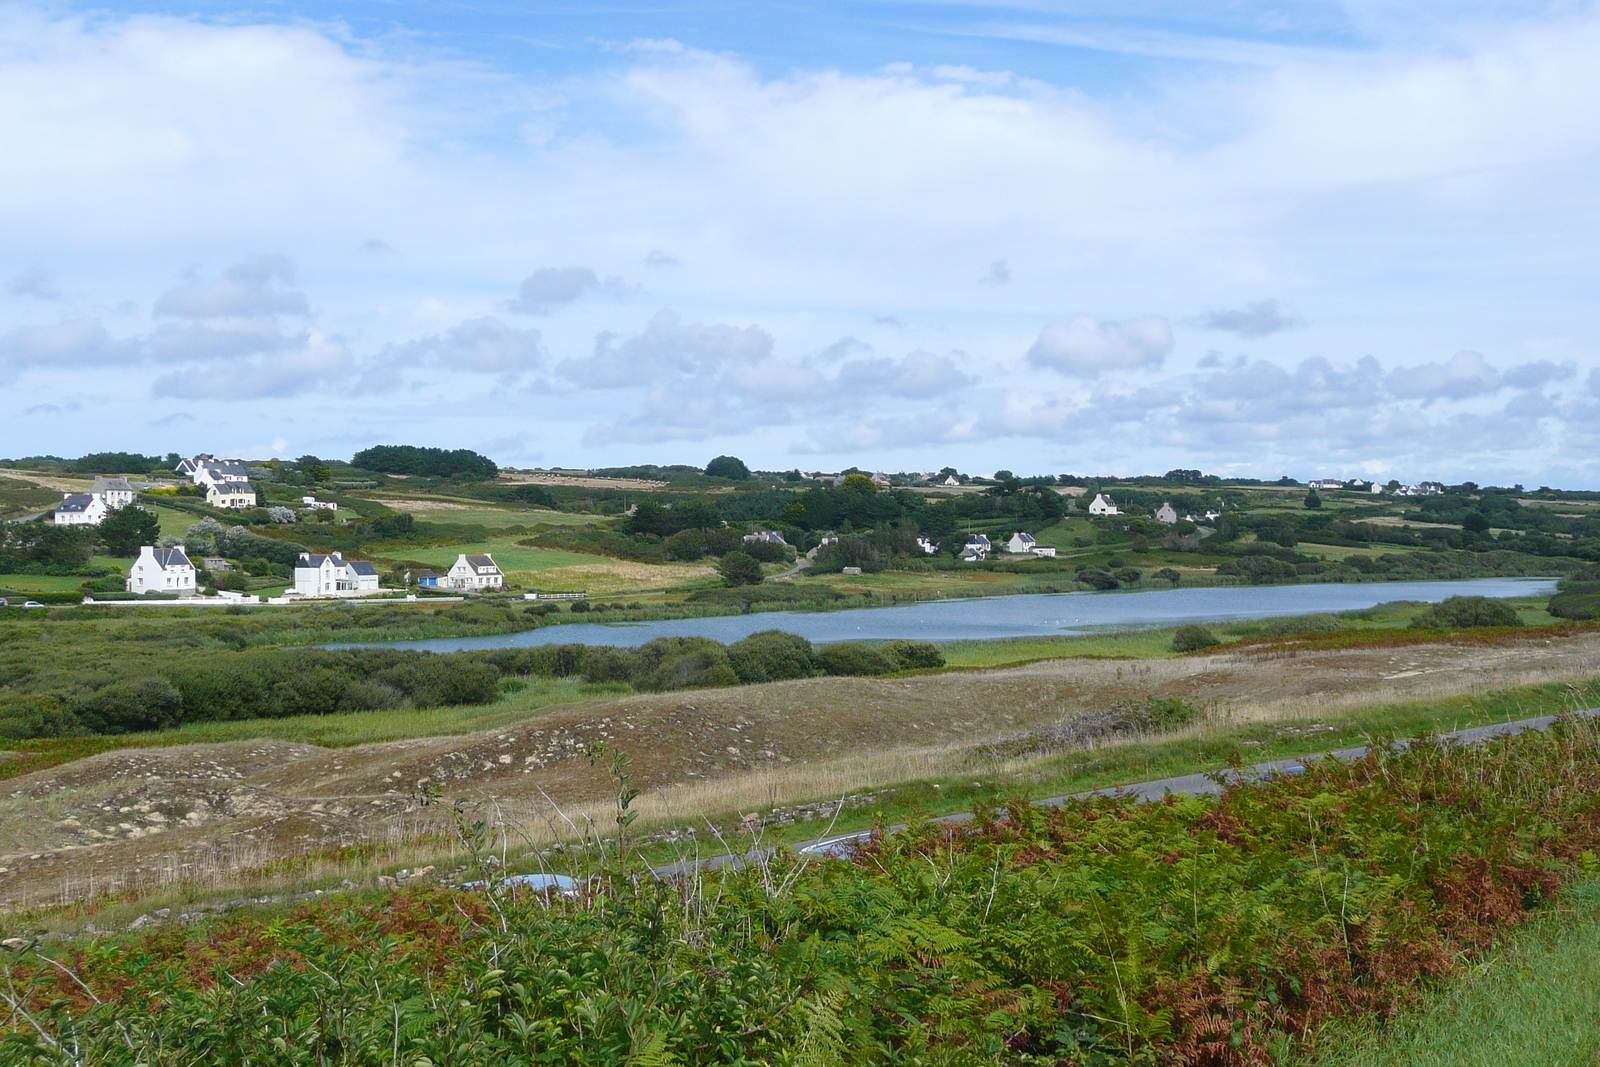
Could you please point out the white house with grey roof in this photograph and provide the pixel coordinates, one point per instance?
(1102, 505)
(80, 509)
(473, 573)
(161, 570)
(212, 472)
(239, 494)
(116, 492)
(333, 575)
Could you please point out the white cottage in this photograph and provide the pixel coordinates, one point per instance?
(211, 473)
(230, 494)
(474, 572)
(80, 509)
(978, 547)
(1102, 505)
(332, 575)
(1167, 513)
(1020, 543)
(161, 570)
(116, 492)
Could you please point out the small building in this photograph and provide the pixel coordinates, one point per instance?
(1047, 551)
(771, 537)
(161, 570)
(474, 573)
(80, 509)
(230, 494)
(950, 479)
(216, 563)
(212, 473)
(1020, 543)
(425, 578)
(1327, 483)
(311, 503)
(1102, 505)
(1167, 513)
(881, 479)
(977, 547)
(187, 467)
(116, 492)
(927, 546)
(331, 575)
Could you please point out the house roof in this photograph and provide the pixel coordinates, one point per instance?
(227, 471)
(103, 484)
(308, 562)
(169, 558)
(361, 567)
(75, 502)
(232, 486)
(483, 563)
(1025, 538)
(977, 539)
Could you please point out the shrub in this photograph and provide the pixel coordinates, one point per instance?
(1129, 575)
(1097, 579)
(771, 656)
(580, 606)
(1192, 638)
(913, 655)
(740, 568)
(605, 664)
(681, 663)
(766, 551)
(132, 706)
(1461, 612)
(854, 658)
(1169, 575)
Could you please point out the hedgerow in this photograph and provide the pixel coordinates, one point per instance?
(1209, 932)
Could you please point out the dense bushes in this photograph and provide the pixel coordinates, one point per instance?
(255, 685)
(1467, 611)
(428, 462)
(1209, 932)
(1192, 638)
(690, 662)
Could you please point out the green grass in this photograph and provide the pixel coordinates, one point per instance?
(1532, 1004)
(1009, 652)
(507, 553)
(174, 523)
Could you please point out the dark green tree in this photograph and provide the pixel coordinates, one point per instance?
(730, 467)
(125, 529)
(740, 568)
(1313, 500)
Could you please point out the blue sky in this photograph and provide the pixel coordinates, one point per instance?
(1317, 238)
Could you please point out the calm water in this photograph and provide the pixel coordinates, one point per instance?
(1032, 615)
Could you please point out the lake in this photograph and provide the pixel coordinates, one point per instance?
(1030, 615)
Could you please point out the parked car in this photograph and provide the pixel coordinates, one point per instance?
(32, 604)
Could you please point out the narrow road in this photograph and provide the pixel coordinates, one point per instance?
(1202, 784)
(800, 564)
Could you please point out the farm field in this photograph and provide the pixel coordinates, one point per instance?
(557, 571)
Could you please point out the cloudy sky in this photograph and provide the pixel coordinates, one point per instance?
(1254, 237)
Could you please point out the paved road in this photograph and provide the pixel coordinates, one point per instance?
(1203, 784)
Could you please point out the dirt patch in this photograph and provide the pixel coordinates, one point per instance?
(415, 505)
(155, 816)
(580, 481)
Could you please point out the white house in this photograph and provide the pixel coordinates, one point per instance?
(230, 494)
(1167, 513)
(927, 546)
(331, 575)
(116, 492)
(161, 570)
(313, 504)
(187, 467)
(80, 509)
(881, 479)
(474, 572)
(951, 479)
(978, 547)
(213, 473)
(1048, 551)
(772, 537)
(1020, 543)
(1102, 505)
(1327, 483)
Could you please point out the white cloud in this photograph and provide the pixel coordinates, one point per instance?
(74, 343)
(244, 290)
(549, 288)
(1465, 374)
(667, 349)
(485, 344)
(1253, 320)
(35, 283)
(304, 369)
(1086, 348)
